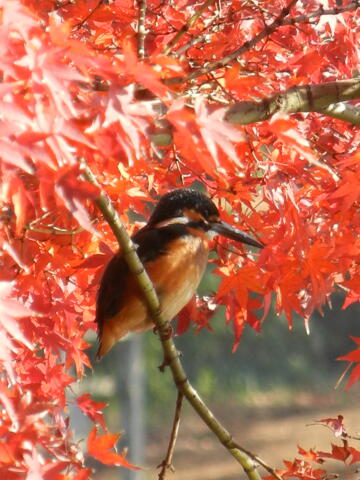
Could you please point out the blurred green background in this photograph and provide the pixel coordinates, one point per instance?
(276, 370)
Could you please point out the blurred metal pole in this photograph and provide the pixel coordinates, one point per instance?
(131, 393)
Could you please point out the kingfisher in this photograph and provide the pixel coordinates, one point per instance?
(173, 247)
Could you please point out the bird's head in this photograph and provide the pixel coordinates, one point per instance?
(195, 209)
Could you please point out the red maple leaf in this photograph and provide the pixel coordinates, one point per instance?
(337, 453)
(92, 409)
(353, 357)
(99, 446)
(336, 424)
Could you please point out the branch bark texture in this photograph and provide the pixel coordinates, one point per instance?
(323, 98)
(330, 99)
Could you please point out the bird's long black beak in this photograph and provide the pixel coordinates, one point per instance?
(234, 234)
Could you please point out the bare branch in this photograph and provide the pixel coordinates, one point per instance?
(309, 98)
(267, 31)
(81, 24)
(244, 48)
(191, 21)
(322, 98)
(166, 464)
(320, 12)
(343, 111)
(52, 230)
(261, 462)
(194, 41)
(49, 229)
(127, 247)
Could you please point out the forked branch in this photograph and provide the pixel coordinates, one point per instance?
(167, 462)
(248, 462)
(281, 20)
(268, 30)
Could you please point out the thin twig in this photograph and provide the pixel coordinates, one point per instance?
(320, 12)
(267, 31)
(52, 230)
(194, 41)
(191, 21)
(241, 50)
(226, 93)
(341, 378)
(171, 353)
(141, 28)
(79, 25)
(166, 464)
(261, 462)
(343, 436)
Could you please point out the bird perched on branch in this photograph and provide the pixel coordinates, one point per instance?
(173, 247)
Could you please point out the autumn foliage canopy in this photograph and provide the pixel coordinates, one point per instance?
(141, 93)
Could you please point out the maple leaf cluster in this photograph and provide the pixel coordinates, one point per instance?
(73, 91)
(307, 467)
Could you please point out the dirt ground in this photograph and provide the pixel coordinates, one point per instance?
(273, 432)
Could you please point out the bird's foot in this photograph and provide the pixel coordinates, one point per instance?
(165, 332)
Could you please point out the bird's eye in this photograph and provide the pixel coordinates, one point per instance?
(214, 219)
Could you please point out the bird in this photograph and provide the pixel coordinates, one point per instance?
(173, 247)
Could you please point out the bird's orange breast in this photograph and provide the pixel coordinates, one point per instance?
(175, 274)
